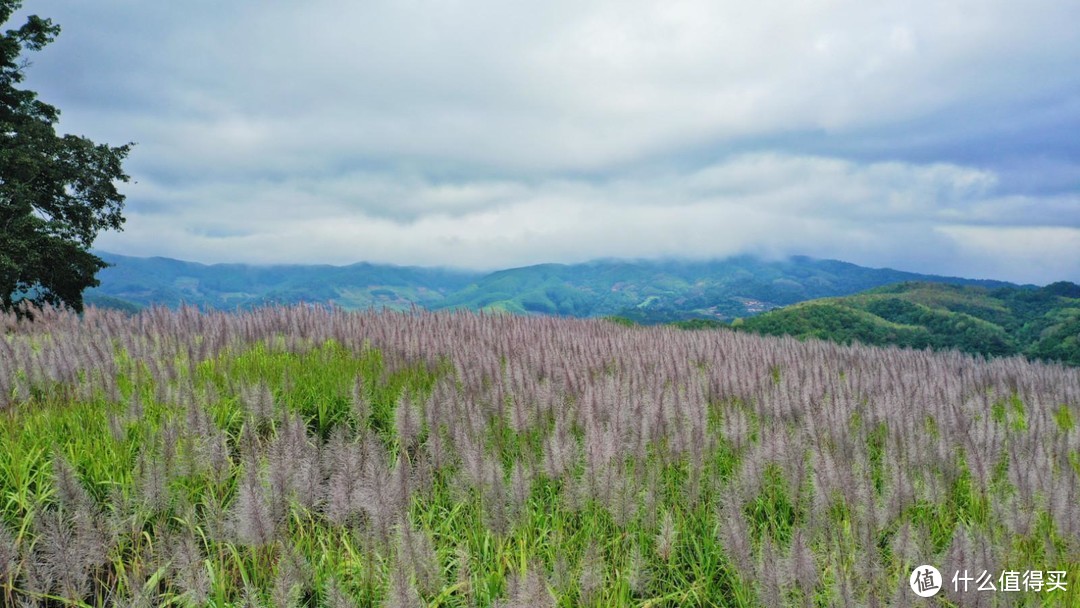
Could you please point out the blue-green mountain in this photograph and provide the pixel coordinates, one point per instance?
(133, 282)
(644, 291)
(663, 291)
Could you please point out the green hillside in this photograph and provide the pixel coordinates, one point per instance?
(1041, 323)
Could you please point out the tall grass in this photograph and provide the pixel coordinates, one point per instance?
(311, 457)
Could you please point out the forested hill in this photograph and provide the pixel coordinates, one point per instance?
(1042, 323)
(645, 291)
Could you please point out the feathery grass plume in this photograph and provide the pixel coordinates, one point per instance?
(22, 391)
(215, 457)
(519, 418)
(406, 423)
(293, 467)
(900, 490)
(527, 590)
(768, 574)
(575, 494)
(562, 578)
(70, 493)
(401, 592)
(383, 492)
(249, 445)
(494, 497)
(58, 567)
(258, 400)
(591, 576)
(150, 481)
(344, 463)
(198, 420)
(1016, 514)
(186, 568)
(463, 571)
(93, 537)
(803, 569)
(135, 409)
(361, 404)
(906, 545)
(251, 598)
(90, 537)
(961, 556)
(9, 557)
(335, 597)
(845, 589)
(422, 477)
(116, 427)
(638, 575)
(190, 463)
(142, 564)
(1064, 506)
(137, 596)
(665, 537)
(560, 448)
(438, 451)
(214, 520)
(418, 548)
(292, 577)
(166, 442)
(647, 506)
(251, 516)
(735, 537)
(622, 498)
(520, 485)
(470, 451)
(600, 450)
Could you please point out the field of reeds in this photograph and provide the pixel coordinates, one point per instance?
(312, 457)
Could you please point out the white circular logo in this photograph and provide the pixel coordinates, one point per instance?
(925, 581)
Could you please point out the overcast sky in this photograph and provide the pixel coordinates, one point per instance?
(930, 136)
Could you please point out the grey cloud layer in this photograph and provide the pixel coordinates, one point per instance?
(488, 133)
(911, 216)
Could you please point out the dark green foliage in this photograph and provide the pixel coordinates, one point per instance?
(56, 193)
(109, 302)
(1061, 341)
(1039, 323)
(699, 324)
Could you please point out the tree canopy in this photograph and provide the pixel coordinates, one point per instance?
(56, 192)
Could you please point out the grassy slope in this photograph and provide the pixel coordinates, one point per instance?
(1041, 323)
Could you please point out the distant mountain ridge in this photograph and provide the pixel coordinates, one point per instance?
(168, 282)
(664, 290)
(648, 291)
